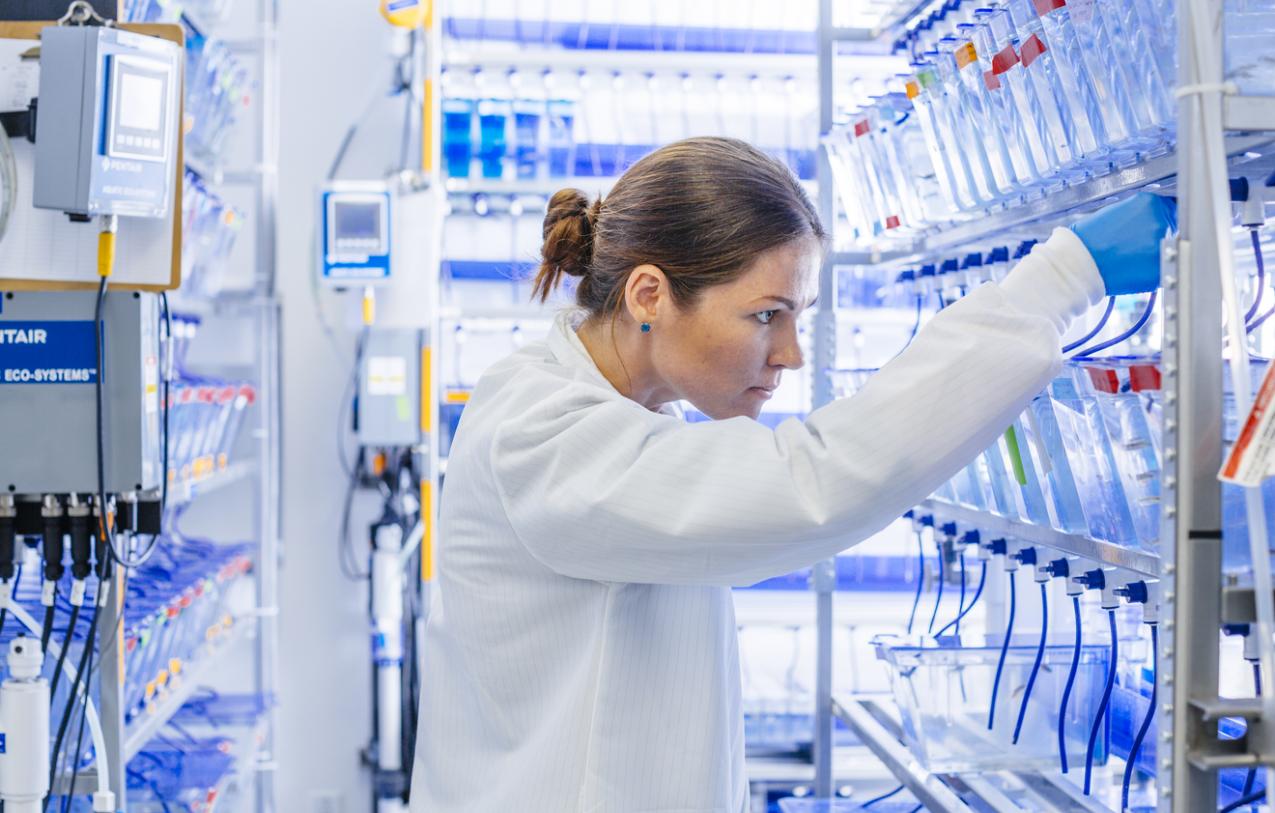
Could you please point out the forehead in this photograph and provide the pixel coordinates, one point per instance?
(790, 271)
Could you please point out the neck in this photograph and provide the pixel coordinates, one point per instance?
(624, 359)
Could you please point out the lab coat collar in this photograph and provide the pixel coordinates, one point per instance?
(566, 347)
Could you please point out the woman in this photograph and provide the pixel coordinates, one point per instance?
(581, 652)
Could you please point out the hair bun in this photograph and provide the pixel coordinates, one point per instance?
(568, 239)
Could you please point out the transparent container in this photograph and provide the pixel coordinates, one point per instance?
(944, 694)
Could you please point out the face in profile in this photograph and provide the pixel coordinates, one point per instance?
(727, 352)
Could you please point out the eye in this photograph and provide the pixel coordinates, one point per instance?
(765, 316)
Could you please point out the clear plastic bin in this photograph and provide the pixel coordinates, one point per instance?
(944, 693)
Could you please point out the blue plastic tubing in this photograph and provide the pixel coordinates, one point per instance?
(1040, 656)
(1106, 701)
(1071, 681)
(1000, 666)
(1146, 724)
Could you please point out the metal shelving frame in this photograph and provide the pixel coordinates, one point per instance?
(262, 307)
(1189, 564)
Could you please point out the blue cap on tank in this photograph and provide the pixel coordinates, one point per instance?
(950, 267)
(906, 276)
(1000, 254)
(973, 261)
(927, 270)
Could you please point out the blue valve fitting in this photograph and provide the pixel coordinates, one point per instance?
(999, 547)
(1026, 556)
(1133, 592)
(948, 529)
(970, 538)
(1058, 569)
(1093, 579)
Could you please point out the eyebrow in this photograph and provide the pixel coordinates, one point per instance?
(792, 306)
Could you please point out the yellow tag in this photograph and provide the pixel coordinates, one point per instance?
(913, 89)
(966, 55)
(427, 539)
(407, 13)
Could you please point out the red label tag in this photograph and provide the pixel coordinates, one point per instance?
(892, 222)
(1043, 7)
(1005, 60)
(1144, 377)
(1032, 49)
(990, 79)
(862, 128)
(1104, 380)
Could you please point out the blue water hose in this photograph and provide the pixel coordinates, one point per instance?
(1106, 701)
(938, 596)
(1040, 656)
(1146, 724)
(1261, 275)
(960, 607)
(978, 592)
(1142, 320)
(920, 580)
(1071, 682)
(882, 797)
(1000, 666)
(1257, 690)
(1097, 328)
(1245, 801)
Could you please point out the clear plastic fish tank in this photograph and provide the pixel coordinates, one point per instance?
(944, 689)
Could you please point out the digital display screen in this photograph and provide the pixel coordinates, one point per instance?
(141, 102)
(358, 221)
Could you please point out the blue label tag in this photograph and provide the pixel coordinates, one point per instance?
(48, 352)
(2, 745)
(399, 5)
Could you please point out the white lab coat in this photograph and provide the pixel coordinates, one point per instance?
(581, 651)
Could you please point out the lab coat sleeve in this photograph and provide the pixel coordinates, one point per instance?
(602, 489)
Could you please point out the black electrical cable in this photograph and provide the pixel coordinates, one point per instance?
(1261, 274)
(79, 739)
(1040, 656)
(1000, 665)
(1146, 724)
(1106, 700)
(978, 592)
(66, 644)
(165, 422)
(920, 580)
(1071, 682)
(882, 797)
(46, 631)
(80, 677)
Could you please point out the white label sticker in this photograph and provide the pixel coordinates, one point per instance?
(1251, 458)
(387, 375)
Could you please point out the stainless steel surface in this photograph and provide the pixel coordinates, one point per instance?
(110, 704)
(1141, 562)
(1250, 113)
(1193, 421)
(825, 348)
(928, 788)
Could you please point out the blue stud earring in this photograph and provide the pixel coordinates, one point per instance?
(646, 327)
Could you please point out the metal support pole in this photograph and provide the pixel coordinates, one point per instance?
(824, 578)
(1192, 500)
(269, 532)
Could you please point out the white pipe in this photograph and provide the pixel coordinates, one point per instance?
(95, 724)
(1210, 120)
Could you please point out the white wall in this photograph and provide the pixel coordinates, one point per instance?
(332, 57)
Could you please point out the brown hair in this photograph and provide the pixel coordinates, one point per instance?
(701, 210)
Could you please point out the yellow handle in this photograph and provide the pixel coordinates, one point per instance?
(427, 538)
(105, 253)
(369, 307)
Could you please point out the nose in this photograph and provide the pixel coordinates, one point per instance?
(787, 354)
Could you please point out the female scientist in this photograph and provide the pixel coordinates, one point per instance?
(581, 652)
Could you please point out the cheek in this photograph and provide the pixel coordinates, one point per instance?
(726, 356)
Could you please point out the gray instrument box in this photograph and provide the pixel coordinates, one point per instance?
(389, 406)
(47, 399)
(106, 137)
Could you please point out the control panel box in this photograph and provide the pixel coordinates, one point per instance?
(48, 376)
(108, 127)
(355, 234)
(390, 395)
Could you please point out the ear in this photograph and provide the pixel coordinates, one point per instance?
(647, 294)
